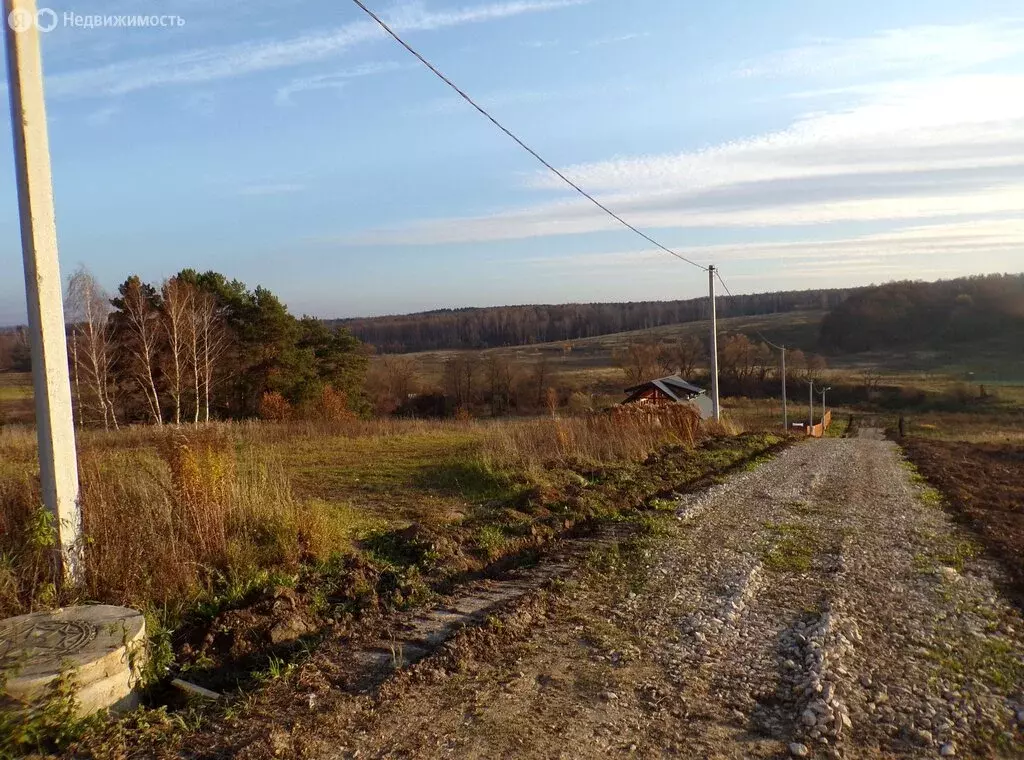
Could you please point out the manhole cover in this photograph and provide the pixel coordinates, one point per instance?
(102, 646)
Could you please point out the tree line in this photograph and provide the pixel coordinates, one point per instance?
(199, 347)
(926, 314)
(493, 327)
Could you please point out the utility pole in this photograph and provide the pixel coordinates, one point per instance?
(823, 406)
(55, 426)
(810, 406)
(785, 410)
(714, 345)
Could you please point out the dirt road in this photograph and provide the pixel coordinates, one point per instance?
(820, 605)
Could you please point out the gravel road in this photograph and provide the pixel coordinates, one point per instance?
(820, 605)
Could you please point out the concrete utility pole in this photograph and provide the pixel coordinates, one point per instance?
(714, 345)
(810, 406)
(823, 404)
(58, 467)
(785, 411)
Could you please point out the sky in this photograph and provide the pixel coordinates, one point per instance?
(794, 144)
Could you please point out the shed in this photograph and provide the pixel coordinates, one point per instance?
(670, 390)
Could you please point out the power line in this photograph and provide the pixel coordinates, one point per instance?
(781, 348)
(718, 274)
(757, 332)
(518, 141)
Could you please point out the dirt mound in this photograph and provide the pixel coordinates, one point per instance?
(238, 640)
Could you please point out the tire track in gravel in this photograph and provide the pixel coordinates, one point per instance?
(735, 677)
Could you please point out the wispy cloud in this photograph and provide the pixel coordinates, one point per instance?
(906, 150)
(102, 116)
(912, 252)
(540, 44)
(200, 102)
(931, 49)
(979, 237)
(282, 188)
(616, 39)
(334, 81)
(520, 97)
(229, 61)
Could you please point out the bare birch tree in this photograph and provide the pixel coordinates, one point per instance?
(193, 331)
(177, 297)
(78, 383)
(88, 308)
(213, 343)
(142, 341)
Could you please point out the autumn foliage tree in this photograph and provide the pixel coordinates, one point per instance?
(202, 347)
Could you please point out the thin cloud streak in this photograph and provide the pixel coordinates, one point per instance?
(976, 238)
(271, 189)
(908, 150)
(935, 49)
(334, 81)
(231, 61)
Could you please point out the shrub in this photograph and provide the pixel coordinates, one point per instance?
(274, 407)
(332, 406)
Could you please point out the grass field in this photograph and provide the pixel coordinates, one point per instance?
(587, 364)
(199, 526)
(15, 397)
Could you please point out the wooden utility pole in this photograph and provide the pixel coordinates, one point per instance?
(58, 466)
(714, 345)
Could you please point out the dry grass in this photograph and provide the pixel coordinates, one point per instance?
(166, 521)
(172, 516)
(999, 426)
(762, 413)
(626, 435)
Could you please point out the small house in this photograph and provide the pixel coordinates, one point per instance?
(671, 390)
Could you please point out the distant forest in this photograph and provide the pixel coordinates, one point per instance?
(522, 325)
(921, 314)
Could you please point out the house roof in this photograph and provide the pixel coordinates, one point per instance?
(673, 386)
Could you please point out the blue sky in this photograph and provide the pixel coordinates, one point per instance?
(793, 144)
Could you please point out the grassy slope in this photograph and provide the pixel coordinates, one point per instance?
(588, 362)
(15, 397)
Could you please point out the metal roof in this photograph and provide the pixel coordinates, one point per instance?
(673, 386)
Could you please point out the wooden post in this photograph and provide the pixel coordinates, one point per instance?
(58, 466)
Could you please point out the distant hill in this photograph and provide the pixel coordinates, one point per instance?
(527, 325)
(920, 315)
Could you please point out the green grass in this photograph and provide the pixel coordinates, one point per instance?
(994, 661)
(792, 548)
(15, 397)
(14, 393)
(416, 475)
